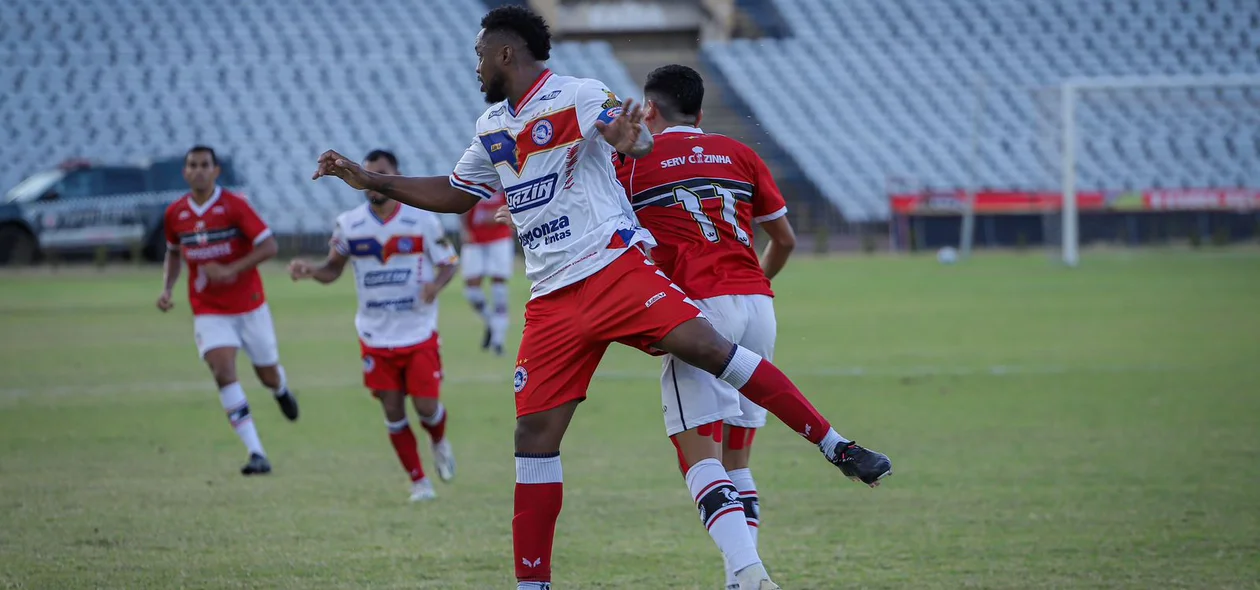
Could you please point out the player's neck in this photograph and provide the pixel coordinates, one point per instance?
(384, 210)
(525, 82)
(200, 197)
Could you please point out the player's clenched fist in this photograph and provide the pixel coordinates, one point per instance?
(503, 215)
(334, 164)
(300, 269)
(164, 301)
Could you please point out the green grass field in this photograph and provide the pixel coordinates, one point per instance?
(1091, 428)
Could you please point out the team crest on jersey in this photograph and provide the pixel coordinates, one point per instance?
(551, 131)
(542, 132)
(200, 230)
(405, 245)
(394, 246)
(519, 378)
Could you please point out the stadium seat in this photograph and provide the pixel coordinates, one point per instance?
(271, 84)
(865, 91)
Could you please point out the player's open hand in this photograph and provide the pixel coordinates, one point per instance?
(624, 131)
(334, 164)
(164, 302)
(217, 273)
(300, 269)
(503, 215)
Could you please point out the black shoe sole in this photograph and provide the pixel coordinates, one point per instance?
(288, 406)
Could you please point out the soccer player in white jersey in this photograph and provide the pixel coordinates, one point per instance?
(548, 141)
(402, 260)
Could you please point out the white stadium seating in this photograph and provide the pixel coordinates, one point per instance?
(868, 92)
(270, 84)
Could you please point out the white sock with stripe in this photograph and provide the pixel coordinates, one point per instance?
(722, 513)
(232, 396)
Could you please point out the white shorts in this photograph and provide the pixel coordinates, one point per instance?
(692, 397)
(251, 331)
(492, 259)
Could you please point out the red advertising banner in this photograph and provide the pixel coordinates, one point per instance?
(1017, 202)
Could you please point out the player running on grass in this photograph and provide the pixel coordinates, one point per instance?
(488, 251)
(223, 240)
(401, 262)
(548, 141)
(700, 194)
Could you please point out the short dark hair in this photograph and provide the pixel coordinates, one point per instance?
(214, 158)
(524, 23)
(677, 90)
(375, 155)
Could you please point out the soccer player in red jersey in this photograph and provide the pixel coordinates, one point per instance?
(700, 194)
(401, 261)
(548, 141)
(223, 240)
(488, 251)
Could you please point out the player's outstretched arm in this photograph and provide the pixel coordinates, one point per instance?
(431, 193)
(170, 274)
(782, 242)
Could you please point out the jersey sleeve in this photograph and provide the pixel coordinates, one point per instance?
(437, 247)
(768, 203)
(172, 240)
(474, 172)
(250, 224)
(595, 102)
(338, 241)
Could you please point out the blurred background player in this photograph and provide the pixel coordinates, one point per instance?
(223, 240)
(488, 250)
(548, 141)
(700, 194)
(402, 260)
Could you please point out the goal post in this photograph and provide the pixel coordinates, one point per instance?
(1202, 93)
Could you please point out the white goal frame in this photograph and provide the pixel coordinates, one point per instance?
(1069, 91)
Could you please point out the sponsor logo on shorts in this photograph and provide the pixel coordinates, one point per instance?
(401, 304)
(654, 299)
(519, 378)
(547, 232)
(369, 363)
(528, 195)
(381, 278)
(543, 132)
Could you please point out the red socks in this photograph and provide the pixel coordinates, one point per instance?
(539, 496)
(767, 386)
(404, 442)
(435, 425)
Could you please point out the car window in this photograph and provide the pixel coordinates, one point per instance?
(78, 184)
(117, 181)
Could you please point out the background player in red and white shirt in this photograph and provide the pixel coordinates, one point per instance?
(402, 260)
(488, 250)
(223, 240)
(700, 194)
(548, 141)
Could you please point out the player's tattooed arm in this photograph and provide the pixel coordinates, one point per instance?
(431, 193)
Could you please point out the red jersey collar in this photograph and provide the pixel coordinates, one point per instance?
(538, 84)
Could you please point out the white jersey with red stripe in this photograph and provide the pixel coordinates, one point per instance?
(393, 258)
(569, 209)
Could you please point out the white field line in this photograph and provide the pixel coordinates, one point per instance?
(12, 394)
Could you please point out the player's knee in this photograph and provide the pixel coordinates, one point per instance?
(269, 376)
(223, 371)
(425, 406)
(536, 433)
(392, 404)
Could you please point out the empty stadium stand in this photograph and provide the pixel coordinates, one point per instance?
(270, 83)
(864, 93)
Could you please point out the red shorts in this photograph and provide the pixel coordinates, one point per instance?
(567, 331)
(415, 370)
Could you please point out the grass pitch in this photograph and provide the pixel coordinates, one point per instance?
(1092, 428)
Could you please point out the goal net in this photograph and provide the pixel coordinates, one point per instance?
(1121, 149)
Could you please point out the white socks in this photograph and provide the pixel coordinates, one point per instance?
(722, 513)
(747, 488)
(829, 442)
(497, 316)
(477, 299)
(234, 403)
